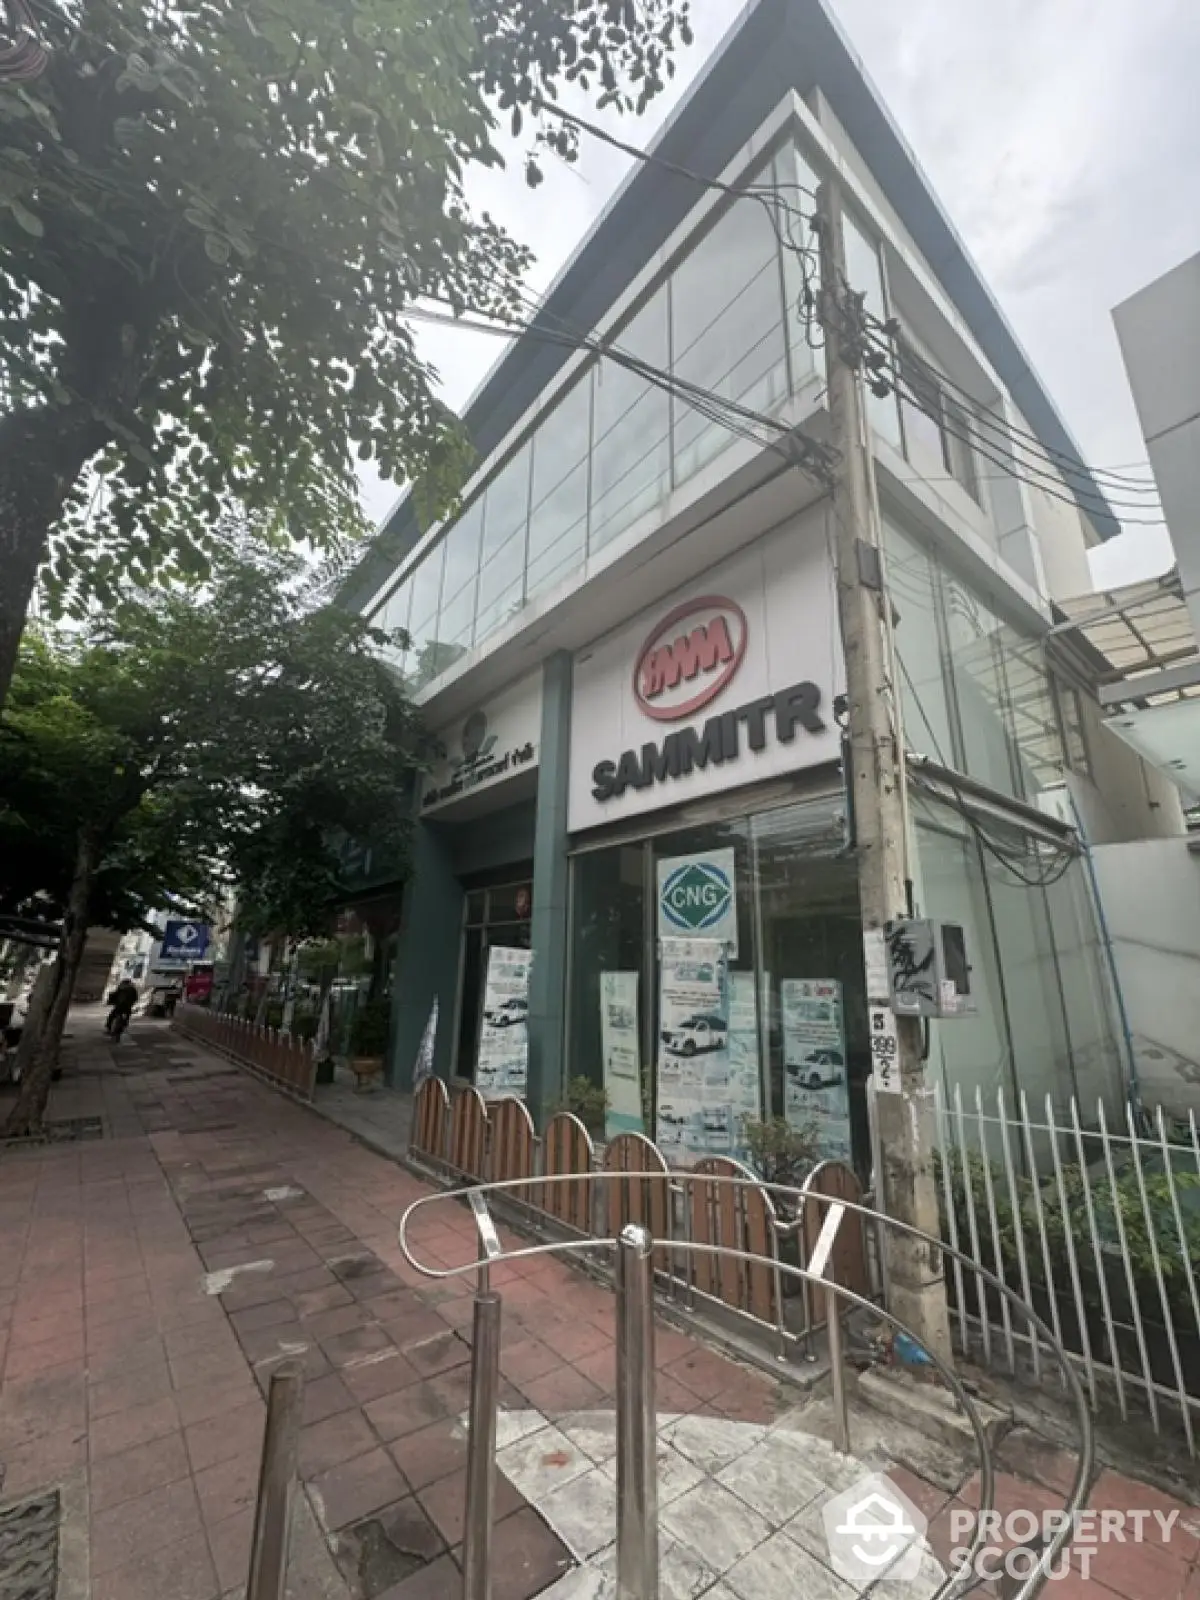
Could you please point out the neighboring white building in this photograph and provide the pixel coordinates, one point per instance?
(628, 639)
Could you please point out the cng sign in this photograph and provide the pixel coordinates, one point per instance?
(696, 897)
(689, 658)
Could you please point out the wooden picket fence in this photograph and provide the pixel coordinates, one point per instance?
(462, 1136)
(284, 1062)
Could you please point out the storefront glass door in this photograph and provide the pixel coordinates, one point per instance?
(496, 918)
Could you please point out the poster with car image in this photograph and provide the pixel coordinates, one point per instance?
(503, 1062)
(816, 1083)
(694, 1110)
(621, 1045)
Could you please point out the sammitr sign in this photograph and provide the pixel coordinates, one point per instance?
(729, 681)
(689, 658)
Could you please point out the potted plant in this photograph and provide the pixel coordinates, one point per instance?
(369, 1041)
(783, 1155)
(588, 1101)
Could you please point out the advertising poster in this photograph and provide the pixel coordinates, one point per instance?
(695, 1114)
(503, 1059)
(696, 898)
(744, 1066)
(622, 1052)
(816, 1087)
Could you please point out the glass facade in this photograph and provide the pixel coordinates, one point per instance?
(793, 921)
(1044, 1020)
(729, 318)
(976, 693)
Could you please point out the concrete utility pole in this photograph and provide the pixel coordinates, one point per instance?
(906, 1184)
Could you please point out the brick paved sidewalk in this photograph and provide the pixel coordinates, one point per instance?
(150, 1280)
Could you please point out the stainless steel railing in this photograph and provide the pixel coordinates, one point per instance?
(637, 1534)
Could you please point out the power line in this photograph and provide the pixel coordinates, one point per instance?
(885, 337)
(1046, 479)
(791, 443)
(1069, 466)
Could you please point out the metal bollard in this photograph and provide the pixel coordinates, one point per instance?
(637, 1466)
(481, 1448)
(837, 1372)
(820, 1265)
(276, 1482)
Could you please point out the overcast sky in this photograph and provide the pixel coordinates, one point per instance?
(1060, 135)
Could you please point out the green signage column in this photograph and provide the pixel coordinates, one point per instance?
(427, 956)
(549, 925)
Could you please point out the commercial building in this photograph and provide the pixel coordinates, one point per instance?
(627, 643)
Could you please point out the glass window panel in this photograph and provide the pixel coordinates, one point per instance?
(1035, 1011)
(811, 929)
(608, 937)
(1071, 718)
(727, 328)
(960, 456)
(427, 586)
(456, 619)
(1035, 722)
(395, 615)
(679, 1142)
(973, 1051)
(921, 409)
(1086, 993)
(558, 515)
(502, 563)
(865, 273)
(912, 582)
(796, 184)
(630, 430)
(980, 685)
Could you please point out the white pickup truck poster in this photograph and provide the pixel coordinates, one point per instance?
(620, 1042)
(816, 1084)
(503, 1062)
(695, 1114)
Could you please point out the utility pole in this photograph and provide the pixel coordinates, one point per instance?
(906, 1186)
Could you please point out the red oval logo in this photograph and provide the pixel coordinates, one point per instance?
(689, 658)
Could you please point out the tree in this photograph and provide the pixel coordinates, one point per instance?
(222, 738)
(214, 215)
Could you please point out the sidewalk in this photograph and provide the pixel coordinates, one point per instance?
(150, 1279)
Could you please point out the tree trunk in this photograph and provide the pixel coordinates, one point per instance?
(26, 1116)
(42, 453)
(40, 997)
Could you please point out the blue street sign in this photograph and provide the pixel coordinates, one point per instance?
(184, 941)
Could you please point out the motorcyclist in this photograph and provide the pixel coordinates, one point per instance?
(122, 1001)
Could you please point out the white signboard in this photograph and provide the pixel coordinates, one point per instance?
(875, 963)
(816, 1083)
(725, 682)
(885, 1050)
(697, 897)
(495, 742)
(695, 1113)
(621, 1044)
(503, 1063)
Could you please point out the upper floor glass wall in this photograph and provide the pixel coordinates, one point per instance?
(976, 692)
(729, 318)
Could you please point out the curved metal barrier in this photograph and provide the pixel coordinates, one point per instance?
(636, 1250)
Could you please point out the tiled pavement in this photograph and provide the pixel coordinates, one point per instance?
(149, 1282)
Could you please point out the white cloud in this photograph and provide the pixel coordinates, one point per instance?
(1059, 136)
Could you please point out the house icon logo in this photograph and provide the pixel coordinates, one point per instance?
(873, 1531)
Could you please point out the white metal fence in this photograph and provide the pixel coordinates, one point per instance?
(1095, 1220)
